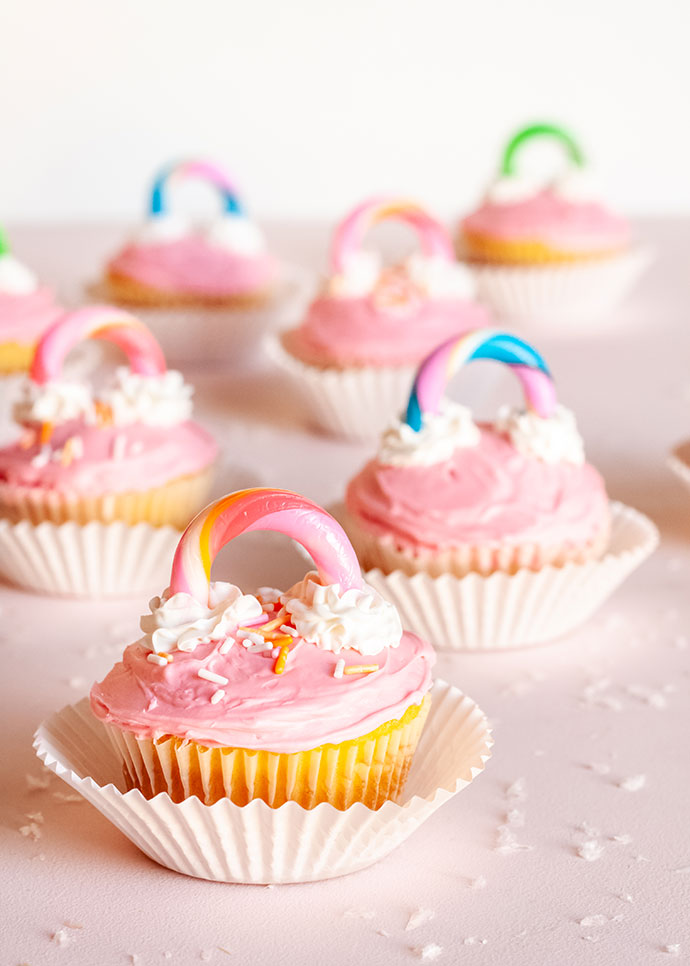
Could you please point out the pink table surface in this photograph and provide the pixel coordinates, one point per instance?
(572, 720)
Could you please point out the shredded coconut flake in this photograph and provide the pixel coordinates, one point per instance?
(591, 850)
(596, 920)
(633, 784)
(37, 783)
(419, 918)
(430, 952)
(359, 914)
(478, 883)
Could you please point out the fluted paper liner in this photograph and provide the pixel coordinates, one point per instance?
(255, 843)
(474, 612)
(572, 299)
(357, 403)
(678, 465)
(87, 560)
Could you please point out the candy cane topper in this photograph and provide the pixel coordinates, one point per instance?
(205, 170)
(96, 322)
(262, 508)
(512, 150)
(349, 234)
(439, 367)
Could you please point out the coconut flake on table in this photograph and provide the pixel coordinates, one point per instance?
(633, 783)
(419, 918)
(591, 850)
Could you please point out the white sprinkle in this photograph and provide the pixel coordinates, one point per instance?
(61, 937)
(382, 932)
(207, 675)
(37, 784)
(217, 696)
(77, 444)
(673, 949)
(154, 658)
(517, 790)
(419, 918)
(430, 952)
(252, 638)
(226, 645)
(633, 784)
(275, 652)
(596, 920)
(506, 842)
(591, 850)
(260, 648)
(478, 883)
(624, 839)
(30, 831)
(359, 914)
(286, 629)
(119, 447)
(339, 668)
(42, 458)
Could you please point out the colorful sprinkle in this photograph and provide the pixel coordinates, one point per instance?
(339, 668)
(361, 668)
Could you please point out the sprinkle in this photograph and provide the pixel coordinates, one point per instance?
(45, 432)
(626, 897)
(217, 696)
(27, 439)
(41, 458)
(279, 666)
(275, 651)
(72, 450)
(211, 676)
(430, 952)
(119, 447)
(254, 622)
(633, 784)
(260, 648)
(361, 669)
(339, 668)
(104, 413)
(158, 659)
(287, 629)
(419, 918)
(591, 850)
(253, 638)
(276, 622)
(226, 645)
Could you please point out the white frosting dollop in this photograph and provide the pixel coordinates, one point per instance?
(163, 228)
(360, 274)
(552, 440)
(333, 619)
(180, 622)
(509, 189)
(164, 400)
(53, 402)
(577, 184)
(440, 278)
(237, 234)
(15, 277)
(441, 434)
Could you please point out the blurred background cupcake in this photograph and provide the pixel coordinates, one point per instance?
(547, 250)
(355, 352)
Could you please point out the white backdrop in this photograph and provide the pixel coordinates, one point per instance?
(314, 104)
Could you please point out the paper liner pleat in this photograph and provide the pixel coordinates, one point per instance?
(503, 610)
(257, 843)
(571, 299)
(356, 403)
(91, 560)
(678, 466)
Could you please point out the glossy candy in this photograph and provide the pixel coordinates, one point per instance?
(510, 155)
(205, 170)
(262, 508)
(438, 368)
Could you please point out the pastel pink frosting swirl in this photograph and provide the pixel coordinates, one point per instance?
(553, 220)
(194, 266)
(485, 494)
(23, 318)
(300, 709)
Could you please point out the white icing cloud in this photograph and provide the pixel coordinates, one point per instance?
(164, 400)
(15, 277)
(441, 434)
(553, 440)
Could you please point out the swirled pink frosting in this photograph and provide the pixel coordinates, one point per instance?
(357, 331)
(552, 220)
(194, 266)
(485, 494)
(23, 318)
(147, 456)
(295, 711)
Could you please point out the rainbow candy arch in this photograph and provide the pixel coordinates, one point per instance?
(439, 367)
(262, 508)
(205, 170)
(96, 322)
(349, 234)
(512, 149)
(4, 243)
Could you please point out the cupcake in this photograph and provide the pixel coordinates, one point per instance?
(124, 454)
(310, 695)
(356, 351)
(548, 249)
(192, 279)
(461, 502)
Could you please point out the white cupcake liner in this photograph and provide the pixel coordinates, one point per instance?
(91, 560)
(357, 403)
(255, 843)
(193, 335)
(476, 613)
(572, 299)
(679, 467)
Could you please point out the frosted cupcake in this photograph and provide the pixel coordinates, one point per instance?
(356, 351)
(126, 453)
(548, 248)
(312, 695)
(480, 511)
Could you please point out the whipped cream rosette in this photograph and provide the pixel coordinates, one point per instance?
(455, 521)
(549, 252)
(100, 477)
(361, 339)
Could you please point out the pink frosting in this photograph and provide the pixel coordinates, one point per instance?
(194, 266)
(552, 220)
(152, 456)
(300, 709)
(485, 494)
(23, 318)
(345, 331)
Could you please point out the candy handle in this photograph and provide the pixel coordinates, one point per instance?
(262, 508)
(509, 161)
(438, 368)
(349, 234)
(205, 170)
(96, 322)
(4, 243)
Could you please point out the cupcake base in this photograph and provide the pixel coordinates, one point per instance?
(255, 843)
(371, 769)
